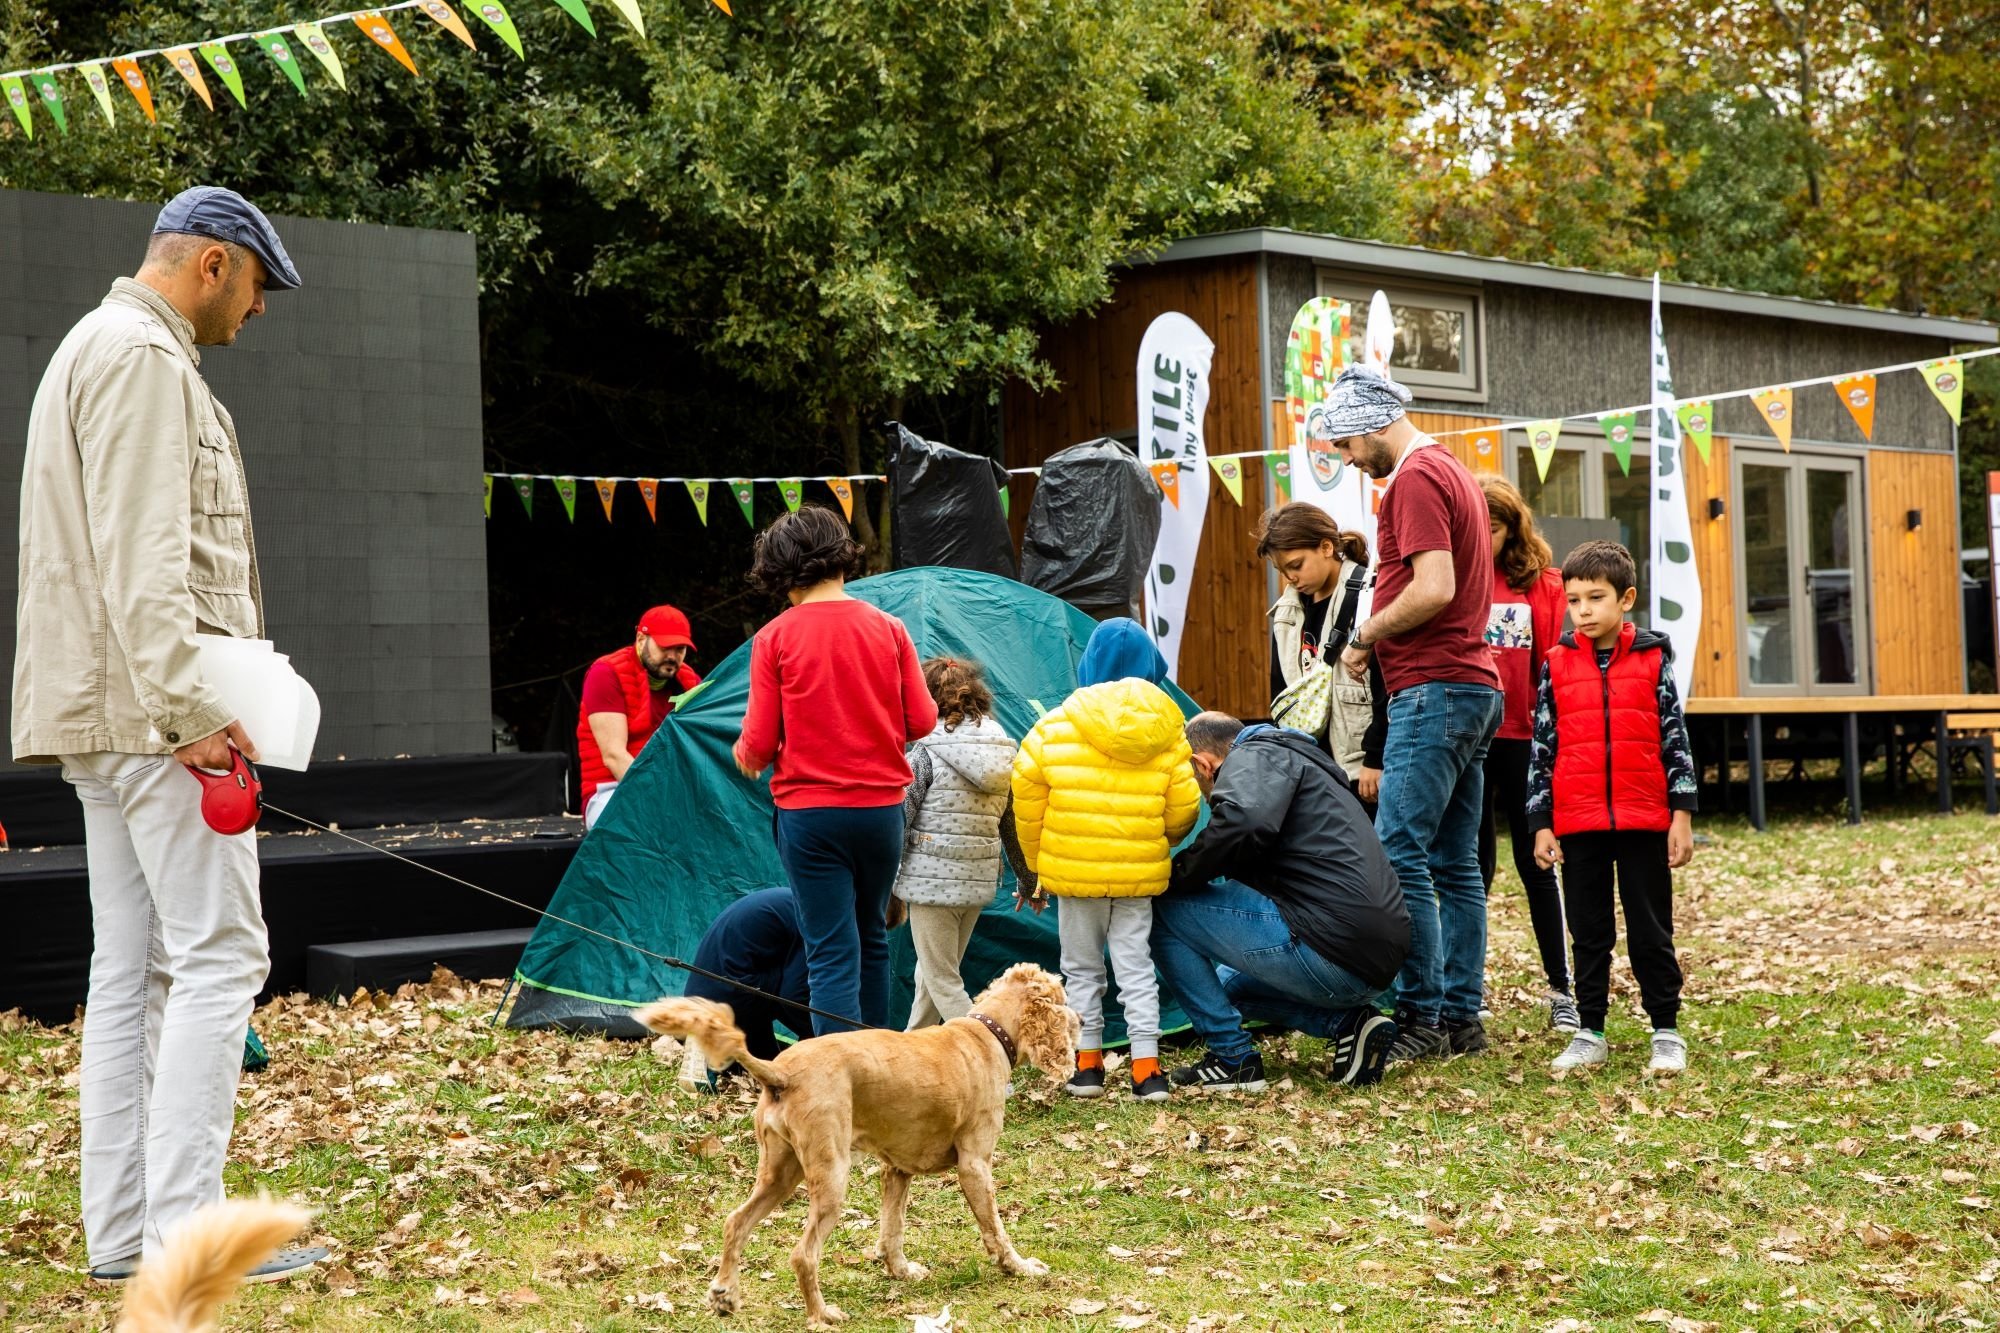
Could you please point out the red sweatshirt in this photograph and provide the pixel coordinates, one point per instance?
(1520, 630)
(835, 695)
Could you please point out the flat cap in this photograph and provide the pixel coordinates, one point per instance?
(224, 215)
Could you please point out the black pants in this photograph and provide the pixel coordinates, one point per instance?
(1638, 861)
(1507, 793)
(754, 1015)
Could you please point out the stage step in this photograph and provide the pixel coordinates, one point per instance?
(340, 969)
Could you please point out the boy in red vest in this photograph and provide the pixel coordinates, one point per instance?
(1611, 794)
(627, 694)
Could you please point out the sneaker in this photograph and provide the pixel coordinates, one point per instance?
(1670, 1053)
(1153, 1088)
(1466, 1035)
(116, 1272)
(1361, 1052)
(1563, 1016)
(1586, 1049)
(1418, 1041)
(1219, 1075)
(1086, 1083)
(287, 1263)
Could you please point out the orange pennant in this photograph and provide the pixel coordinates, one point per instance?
(1168, 474)
(135, 79)
(1858, 393)
(607, 490)
(649, 489)
(1776, 405)
(182, 59)
(1485, 450)
(448, 19)
(377, 30)
(843, 491)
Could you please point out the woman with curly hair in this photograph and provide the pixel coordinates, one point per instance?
(835, 695)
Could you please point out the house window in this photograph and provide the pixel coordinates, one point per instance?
(1585, 481)
(1440, 344)
(1798, 524)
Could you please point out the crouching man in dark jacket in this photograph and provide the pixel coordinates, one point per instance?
(1284, 908)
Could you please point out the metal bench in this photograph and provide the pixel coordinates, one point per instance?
(1967, 733)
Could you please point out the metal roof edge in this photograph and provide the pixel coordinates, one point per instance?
(1418, 262)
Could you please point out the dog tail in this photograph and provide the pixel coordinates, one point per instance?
(712, 1027)
(204, 1263)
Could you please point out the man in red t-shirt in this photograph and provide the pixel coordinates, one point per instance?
(1433, 588)
(627, 694)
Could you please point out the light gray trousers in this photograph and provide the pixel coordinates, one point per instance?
(940, 935)
(1089, 927)
(179, 956)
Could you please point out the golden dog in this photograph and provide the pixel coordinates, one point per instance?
(204, 1263)
(920, 1101)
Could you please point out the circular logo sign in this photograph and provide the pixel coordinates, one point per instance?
(1776, 411)
(493, 14)
(135, 78)
(1858, 397)
(1697, 423)
(1284, 468)
(280, 52)
(95, 78)
(381, 34)
(14, 96)
(1483, 444)
(222, 65)
(1229, 469)
(1946, 381)
(1620, 433)
(1543, 439)
(317, 43)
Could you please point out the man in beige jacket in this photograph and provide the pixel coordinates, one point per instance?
(136, 538)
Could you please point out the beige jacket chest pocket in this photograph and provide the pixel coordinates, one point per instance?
(219, 548)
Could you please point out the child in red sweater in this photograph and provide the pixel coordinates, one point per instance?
(836, 693)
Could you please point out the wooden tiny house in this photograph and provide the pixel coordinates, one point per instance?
(1830, 568)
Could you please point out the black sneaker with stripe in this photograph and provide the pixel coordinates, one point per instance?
(1219, 1075)
(1361, 1051)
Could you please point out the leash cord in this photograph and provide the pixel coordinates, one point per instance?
(573, 925)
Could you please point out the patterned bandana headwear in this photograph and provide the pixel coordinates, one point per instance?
(1361, 402)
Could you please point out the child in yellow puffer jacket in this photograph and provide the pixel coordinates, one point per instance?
(1104, 787)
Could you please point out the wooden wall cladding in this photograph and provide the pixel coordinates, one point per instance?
(1716, 660)
(1919, 640)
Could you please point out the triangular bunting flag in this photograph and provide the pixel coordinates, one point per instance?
(630, 9)
(1857, 394)
(375, 27)
(746, 499)
(448, 19)
(1698, 424)
(1280, 467)
(135, 79)
(45, 84)
(649, 491)
(1947, 381)
(1006, 503)
(315, 39)
(1542, 437)
(497, 18)
(1231, 473)
(575, 9)
(1776, 405)
(100, 88)
(1618, 428)
(698, 492)
(566, 489)
(607, 491)
(489, 495)
(182, 59)
(723, 5)
(1485, 450)
(17, 97)
(524, 486)
(1168, 474)
(794, 490)
(225, 69)
(281, 53)
(843, 491)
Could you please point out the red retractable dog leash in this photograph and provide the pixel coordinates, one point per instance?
(231, 802)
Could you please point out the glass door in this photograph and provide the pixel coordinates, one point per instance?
(1799, 542)
(1766, 545)
(1832, 573)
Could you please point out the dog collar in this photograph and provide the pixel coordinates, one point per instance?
(999, 1035)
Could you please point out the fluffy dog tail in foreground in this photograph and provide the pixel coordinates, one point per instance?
(204, 1263)
(712, 1027)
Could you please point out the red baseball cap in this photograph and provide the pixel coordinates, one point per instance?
(666, 626)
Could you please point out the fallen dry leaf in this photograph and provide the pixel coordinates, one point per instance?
(1084, 1305)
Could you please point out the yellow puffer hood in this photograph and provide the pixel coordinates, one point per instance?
(1131, 720)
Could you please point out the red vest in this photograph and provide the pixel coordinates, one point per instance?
(1609, 774)
(638, 690)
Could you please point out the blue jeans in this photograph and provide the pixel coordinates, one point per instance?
(1228, 954)
(842, 864)
(1433, 800)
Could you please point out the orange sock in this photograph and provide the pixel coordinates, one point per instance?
(1090, 1059)
(1144, 1068)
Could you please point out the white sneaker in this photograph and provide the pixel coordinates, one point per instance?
(1670, 1053)
(1586, 1049)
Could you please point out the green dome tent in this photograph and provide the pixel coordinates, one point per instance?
(687, 834)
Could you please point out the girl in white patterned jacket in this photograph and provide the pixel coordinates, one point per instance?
(958, 817)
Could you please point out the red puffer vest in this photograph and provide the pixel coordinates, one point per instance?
(638, 715)
(1609, 774)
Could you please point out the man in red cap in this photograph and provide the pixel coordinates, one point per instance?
(627, 693)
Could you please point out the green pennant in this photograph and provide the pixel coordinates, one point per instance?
(1279, 465)
(1006, 503)
(497, 18)
(746, 497)
(489, 495)
(524, 486)
(100, 88)
(17, 98)
(225, 69)
(794, 491)
(45, 84)
(1698, 424)
(282, 55)
(698, 492)
(316, 42)
(566, 489)
(575, 9)
(1618, 428)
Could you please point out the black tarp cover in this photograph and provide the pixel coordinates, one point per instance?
(947, 507)
(1092, 528)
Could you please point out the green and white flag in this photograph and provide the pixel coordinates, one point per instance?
(746, 500)
(489, 495)
(1676, 592)
(100, 88)
(17, 97)
(566, 488)
(575, 9)
(45, 84)
(524, 486)
(794, 491)
(225, 69)
(1542, 437)
(1618, 428)
(316, 42)
(284, 57)
(698, 492)
(496, 17)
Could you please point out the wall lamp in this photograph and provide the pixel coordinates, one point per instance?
(1715, 507)
(1913, 519)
